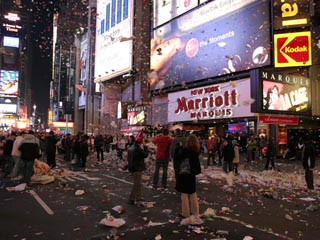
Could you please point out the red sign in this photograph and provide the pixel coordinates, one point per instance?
(278, 120)
(292, 49)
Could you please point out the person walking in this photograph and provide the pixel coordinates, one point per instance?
(51, 142)
(84, 151)
(137, 152)
(67, 147)
(163, 142)
(187, 168)
(29, 152)
(270, 155)
(309, 160)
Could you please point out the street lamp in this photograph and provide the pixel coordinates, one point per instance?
(34, 116)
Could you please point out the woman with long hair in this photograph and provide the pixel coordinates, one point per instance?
(187, 167)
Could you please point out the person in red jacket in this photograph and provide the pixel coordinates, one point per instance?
(163, 142)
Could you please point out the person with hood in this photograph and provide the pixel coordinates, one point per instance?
(137, 152)
(51, 142)
(29, 152)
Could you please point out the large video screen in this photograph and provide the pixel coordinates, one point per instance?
(8, 108)
(11, 42)
(9, 82)
(83, 72)
(113, 55)
(219, 38)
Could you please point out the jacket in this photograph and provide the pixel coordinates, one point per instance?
(177, 143)
(228, 153)
(163, 146)
(236, 158)
(309, 157)
(15, 149)
(195, 167)
(29, 148)
(51, 142)
(136, 156)
(271, 150)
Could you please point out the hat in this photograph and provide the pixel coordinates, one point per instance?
(139, 137)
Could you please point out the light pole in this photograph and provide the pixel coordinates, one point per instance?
(34, 116)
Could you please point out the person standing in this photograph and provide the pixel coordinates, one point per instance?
(270, 155)
(236, 158)
(67, 148)
(42, 144)
(98, 145)
(137, 152)
(309, 160)
(177, 144)
(29, 152)
(51, 142)
(84, 151)
(163, 142)
(228, 156)
(251, 149)
(8, 161)
(186, 182)
(16, 155)
(211, 148)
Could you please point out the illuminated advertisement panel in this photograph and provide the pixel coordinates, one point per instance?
(291, 13)
(164, 11)
(219, 38)
(137, 115)
(11, 42)
(83, 74)
(8, 108)
(9, 82)
(292, 49)
(285, 93)
(217, 101)
(113, 55)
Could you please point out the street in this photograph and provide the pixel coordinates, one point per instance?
(252, 208)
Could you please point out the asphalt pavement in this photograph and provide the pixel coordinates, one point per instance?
(248, 209)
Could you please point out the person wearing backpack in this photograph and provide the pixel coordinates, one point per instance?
(187, 168)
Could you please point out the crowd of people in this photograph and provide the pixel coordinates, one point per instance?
(18, 152)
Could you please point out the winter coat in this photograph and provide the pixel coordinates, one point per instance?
(163, 146)
(177, 143)
(29, 148)
(136, 156)
(51, 142)
(236, 158)
(228, 153)
(271, 150)
(186, 183)
(84, 148)
(309, 157)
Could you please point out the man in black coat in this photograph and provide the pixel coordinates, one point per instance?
(228, 156)
(136, 165)
(309, 160)
(51, 142)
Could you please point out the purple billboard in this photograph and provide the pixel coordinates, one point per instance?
(219, 38)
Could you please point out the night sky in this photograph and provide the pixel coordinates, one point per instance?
(42, 15)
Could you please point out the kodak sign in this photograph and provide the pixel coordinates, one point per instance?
(292, 49)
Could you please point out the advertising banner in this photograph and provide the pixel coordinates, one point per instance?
(8, 108)
(82, 87)
(113, 55)
(10, 42)
(137, 115)
(220, 37)
(218, 101)
(292, 49)
(291, 13)
(164, 11)
(285, 120)
(9, 82)
(285, 93)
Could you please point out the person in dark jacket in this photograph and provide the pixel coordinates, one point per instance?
(186, 183)
(67, 147)
(228, 156)
(29, 152)
(51, 142)
(8, 160)
(177, 144)
(98, 145)
(309, 160)
(136, 165)
(84, 150)
(270, 155)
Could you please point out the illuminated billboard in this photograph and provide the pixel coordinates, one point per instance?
(9, 82)
(8, 108)
(292, 49)
(217, 101)
(164, 11)
(220, 37)
(83, 73)
(137, 115)
(113, 55)
(11, 42)
(285, 93)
